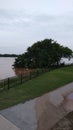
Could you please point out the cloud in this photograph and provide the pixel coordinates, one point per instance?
(24, 28)
(21, 19)
(14, 19)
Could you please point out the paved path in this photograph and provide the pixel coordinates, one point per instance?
(57, 96)
(38, 114)
(6, 125)
(22, 115)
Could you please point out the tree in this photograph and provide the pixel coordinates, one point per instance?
(43, 54)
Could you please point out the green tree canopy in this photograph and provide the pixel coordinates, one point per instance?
(43, 54)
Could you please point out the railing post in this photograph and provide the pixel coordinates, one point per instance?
(4, 84)
(37, 72)
(8, 83)
(21, 78)
(30, 75)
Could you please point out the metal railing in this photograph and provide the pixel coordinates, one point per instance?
(10, 82)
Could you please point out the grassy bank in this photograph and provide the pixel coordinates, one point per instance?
(36, 87)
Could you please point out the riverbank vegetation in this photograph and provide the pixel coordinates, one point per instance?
(36, 87)
(9, 55)
(43, 54)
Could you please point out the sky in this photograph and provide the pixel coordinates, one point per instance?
(24, 22)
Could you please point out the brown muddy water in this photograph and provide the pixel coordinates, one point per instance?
(7, 70)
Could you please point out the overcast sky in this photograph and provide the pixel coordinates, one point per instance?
(23, 22)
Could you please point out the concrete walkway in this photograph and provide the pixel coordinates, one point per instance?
(22, 115)
(6, 125)
(41, 113)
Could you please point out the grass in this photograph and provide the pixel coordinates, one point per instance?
(36, 87)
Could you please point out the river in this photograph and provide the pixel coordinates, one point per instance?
(6, 68)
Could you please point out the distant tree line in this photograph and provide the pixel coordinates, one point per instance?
(43, 54)
(8, 55)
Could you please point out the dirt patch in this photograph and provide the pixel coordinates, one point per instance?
(65, 124)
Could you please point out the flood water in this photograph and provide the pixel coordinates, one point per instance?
(6, 67)
(7, 70)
